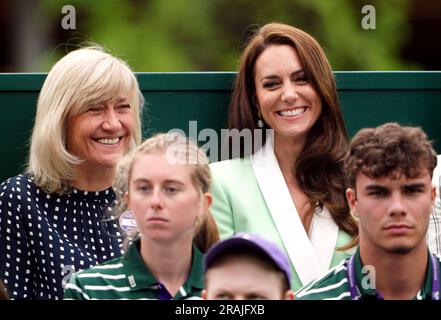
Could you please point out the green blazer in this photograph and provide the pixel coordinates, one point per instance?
(239, 205)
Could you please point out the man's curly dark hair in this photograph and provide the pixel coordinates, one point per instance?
(388, 150)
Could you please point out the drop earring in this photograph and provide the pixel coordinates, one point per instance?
(354, 214)
(260, 121)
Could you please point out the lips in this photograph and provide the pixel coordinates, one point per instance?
(398, 225)
(157, 220)
(398, 228)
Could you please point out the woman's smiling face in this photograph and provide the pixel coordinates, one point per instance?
(101, 134)
(288, 102)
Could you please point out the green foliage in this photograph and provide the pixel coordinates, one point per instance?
(207, 35)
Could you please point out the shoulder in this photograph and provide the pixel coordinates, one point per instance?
(103, 281)
(112, 269)
(109, 267)
(232, 170)
(232, 176)
(236, 163)
(15, 191)
(17, 184)
(331, 286)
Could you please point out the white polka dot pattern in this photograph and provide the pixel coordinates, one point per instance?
(46, 237)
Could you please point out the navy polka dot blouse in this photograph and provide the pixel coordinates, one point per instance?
(45, 238)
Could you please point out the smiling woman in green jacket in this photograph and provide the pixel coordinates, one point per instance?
(291, 189)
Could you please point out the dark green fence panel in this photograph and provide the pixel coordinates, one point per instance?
(173, 99)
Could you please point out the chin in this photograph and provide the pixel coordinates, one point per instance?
(400, 248)
(109, 163)
(293, 132)
(157, 238)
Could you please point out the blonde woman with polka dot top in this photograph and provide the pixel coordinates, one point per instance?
(53, 217)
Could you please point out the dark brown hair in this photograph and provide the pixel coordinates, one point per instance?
(389, 150)
(319, 167)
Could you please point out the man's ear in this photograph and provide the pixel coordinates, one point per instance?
(351, 197)
(289, 295)
(204, 294)
(433, 195)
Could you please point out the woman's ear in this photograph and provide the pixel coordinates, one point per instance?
(126, 198)
(208, 200)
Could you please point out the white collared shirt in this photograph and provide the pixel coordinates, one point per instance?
(434, 231)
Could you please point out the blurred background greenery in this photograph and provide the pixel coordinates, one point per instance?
(207, 35)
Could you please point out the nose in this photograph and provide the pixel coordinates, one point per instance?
(397, 206)
(111, 121)
(289, 93)
(155, 200)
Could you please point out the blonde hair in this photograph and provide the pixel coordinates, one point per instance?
(82, 77)
(186, 152)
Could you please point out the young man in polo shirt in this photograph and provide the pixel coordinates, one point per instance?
(389, 170)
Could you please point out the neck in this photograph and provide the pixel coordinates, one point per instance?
(287, 150)
(397, 276)
(169, 263)
(93, 179)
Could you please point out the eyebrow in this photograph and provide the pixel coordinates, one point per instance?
(118, 100)
(139, 180)
(375, 187)
(98, 102)
(415, 185)
(143, 180)
(273, 76)
(380, 187)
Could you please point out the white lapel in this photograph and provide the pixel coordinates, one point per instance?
(302, 251)
(323, 235)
